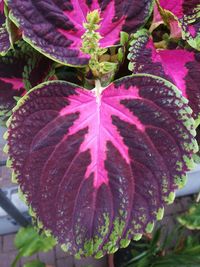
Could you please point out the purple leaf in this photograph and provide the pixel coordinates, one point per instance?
(11, 83)
(95, 166)
(55, 27)
(179, 66)
(175, 30)
(4, 36)
(184, 19)
(2, 16)
(20, 70)
(4, 40)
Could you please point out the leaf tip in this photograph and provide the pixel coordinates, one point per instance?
(137, 237)
(171, 197)
(124, 243)
(149, 227)
(160, 214)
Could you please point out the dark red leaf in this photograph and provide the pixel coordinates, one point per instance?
(98, 166)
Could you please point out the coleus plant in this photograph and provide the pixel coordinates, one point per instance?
(97, 159)
(182, 17)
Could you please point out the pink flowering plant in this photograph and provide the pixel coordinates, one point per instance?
(102, 102)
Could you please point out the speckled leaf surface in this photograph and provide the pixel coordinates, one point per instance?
(97, 169)
(185, 18)
(4, 41)
(179, 66)
(4, 36)
(20, 70)
(55, 27)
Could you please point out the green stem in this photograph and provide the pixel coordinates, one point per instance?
(17, 258)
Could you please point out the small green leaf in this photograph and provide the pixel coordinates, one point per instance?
(120, 55)
(124, 38)
(35, 263)
(191, 219)
(93, 17)
(29, 242)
